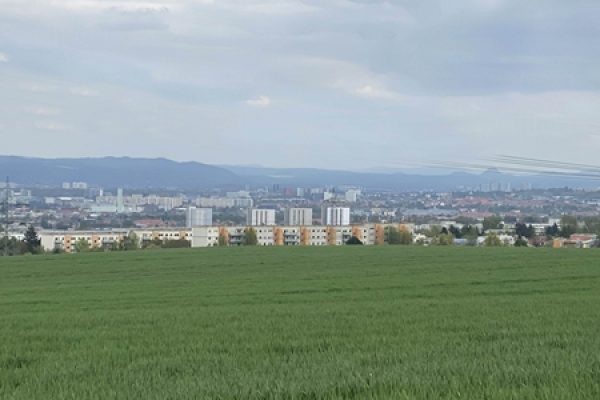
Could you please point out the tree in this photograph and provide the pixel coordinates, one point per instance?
(354, 241)
(567, 230)
(155, 243)
(469, 232)
(31, 241)
(457, 233)
(592, 225)
(465, 220)
(406, 237)
(523, 230)
(176, 244)
(552, 231)
(130, 242)
(222, 240)
(492, 240)
(491, 222)
(520, 242)
(530, 231)
(250, 238)
(82, 246)
(392, 235)
(568, 225)
(444, 239)
(12, 245)
(432, 231)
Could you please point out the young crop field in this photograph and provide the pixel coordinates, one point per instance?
(302, 323)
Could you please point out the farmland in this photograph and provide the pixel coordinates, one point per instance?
(302, 323)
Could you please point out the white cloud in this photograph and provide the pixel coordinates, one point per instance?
(37, 87)
(351, 78)
(83, 91)
(121, 5)
(270, 7)
(534, 124)
(49, 125)
(372, 92)
(260, 101)
(428, 74)
(43, 111)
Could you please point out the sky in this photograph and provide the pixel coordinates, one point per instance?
(340, 84)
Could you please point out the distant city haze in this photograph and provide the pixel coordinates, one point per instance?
(344, 84)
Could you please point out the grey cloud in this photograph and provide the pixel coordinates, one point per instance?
(427, 78)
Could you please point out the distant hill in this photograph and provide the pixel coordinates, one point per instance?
(399, 180)
(116, 171)
(162, 173)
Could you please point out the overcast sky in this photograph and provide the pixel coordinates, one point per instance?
(322, 83)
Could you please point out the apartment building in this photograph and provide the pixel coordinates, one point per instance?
(66, 240)
(297, 216)
(198, 217)
(336, 216)
(209, 236)
(368, 234)
(224, 202)
(260, 217)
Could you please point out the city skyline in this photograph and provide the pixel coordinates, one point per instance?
(292, 83)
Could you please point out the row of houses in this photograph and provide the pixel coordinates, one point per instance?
(577, 240)
(326, 235)
(67, 240)
(209, 236)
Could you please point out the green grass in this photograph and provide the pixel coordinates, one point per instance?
(302, 323)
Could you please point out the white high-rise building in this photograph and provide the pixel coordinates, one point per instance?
(198, 217)
(297, 216)
(336, 216)
(79, 185)
(352, 195)
(258, 217)
(120, 203)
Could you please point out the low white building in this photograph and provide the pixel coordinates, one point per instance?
(66, 240)
(205, 236)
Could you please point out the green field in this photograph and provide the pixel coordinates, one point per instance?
(302, 323)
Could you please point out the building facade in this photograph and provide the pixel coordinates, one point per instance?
(260, 217)
(294, 235)
(336, 216)
(297, 216)
(66, 240)
(198, 217)
(211, 236)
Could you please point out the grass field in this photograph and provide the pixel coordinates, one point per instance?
(302, 323)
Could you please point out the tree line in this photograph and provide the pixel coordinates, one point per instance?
(30, 244)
